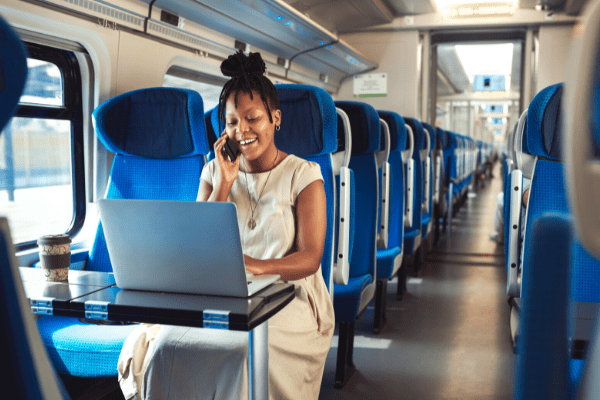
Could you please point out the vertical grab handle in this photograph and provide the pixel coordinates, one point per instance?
(341, 268)
(516, 192)
(410, 179)
(384, 206)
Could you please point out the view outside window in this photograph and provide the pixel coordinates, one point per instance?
(209, 92)
(36, 192)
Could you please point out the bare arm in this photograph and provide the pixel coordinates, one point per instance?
(311, 228)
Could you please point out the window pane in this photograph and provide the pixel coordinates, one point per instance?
(210, 93)
(44, 84)
(35, 177)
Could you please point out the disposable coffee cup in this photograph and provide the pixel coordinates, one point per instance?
(55, 256)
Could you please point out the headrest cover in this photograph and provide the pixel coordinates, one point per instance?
(308, 121)
(13, 71)
(418, 132)
(544, 128)
(397, 129)
(432, 135)
(441, 134)
(158, 123)
(364, 122)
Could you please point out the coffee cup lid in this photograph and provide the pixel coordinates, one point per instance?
(50, 240)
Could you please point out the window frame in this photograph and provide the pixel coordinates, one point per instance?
(72, 111)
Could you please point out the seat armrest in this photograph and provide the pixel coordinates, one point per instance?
(382, 236)
(341, 267)
(516, 192)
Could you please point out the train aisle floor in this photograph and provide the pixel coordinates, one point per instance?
(449, 338)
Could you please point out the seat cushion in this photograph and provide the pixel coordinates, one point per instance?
(385, 261)
(575, 373)
(83, 350)
(347, 298)
(411, 242)
(424, 226)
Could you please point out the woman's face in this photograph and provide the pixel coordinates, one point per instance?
(249, 127)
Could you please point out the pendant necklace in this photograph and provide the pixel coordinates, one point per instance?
(252, 222)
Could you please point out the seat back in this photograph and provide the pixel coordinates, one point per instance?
(428, 168)
(27, 372)
(159, 140)
(309, 130)
(419, 147)
(396, 203)
(366, 137)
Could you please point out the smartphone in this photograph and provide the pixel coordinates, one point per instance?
(230, 149)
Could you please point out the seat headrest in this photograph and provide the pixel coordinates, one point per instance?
(13, 71)
(364, 122)
(544, 128)
(432, 135)
(397, 129)
(158, 123)
(441, 135)
(308, 121)
(418, 132)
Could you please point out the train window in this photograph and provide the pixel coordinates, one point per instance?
(42, 187)
(208, 86)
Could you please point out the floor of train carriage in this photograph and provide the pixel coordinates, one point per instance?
(449, 337)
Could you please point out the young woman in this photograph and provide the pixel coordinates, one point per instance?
(281, 207)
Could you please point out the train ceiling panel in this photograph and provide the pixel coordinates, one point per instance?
(450, 66)
(275, 27)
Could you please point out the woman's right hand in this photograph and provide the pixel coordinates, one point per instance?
(228, 171)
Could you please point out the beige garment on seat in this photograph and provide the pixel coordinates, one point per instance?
(182, 363)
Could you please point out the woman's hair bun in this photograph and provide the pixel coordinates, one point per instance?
(238, 64)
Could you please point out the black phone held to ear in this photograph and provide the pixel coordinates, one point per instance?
(230, 149)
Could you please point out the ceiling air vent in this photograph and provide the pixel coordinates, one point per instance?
(100, 10)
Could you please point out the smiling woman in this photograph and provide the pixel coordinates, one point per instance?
(281, 205)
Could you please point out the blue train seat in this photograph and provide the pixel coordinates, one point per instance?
(427, 208)
(413, 234)
(352, 299)
(548, 195)
(309, 129)
(389, 260)
(27, 372)
(159, 140)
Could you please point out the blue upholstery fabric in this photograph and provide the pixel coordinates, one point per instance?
(364, 123)
(395, 123)
(585, 275)
(80, 349)
(13, 71)
(324, 162)
(308, 115)
(411, 234)
(20, 378)
(156, 123)
(346, 299)
(426, 217)
(575, 374)
(141, 178)
(366, 189)
(542, 364)
(363, 118)
(385, 258)
(89, 350)
(309, 130)
(547, 194)
(544, 123)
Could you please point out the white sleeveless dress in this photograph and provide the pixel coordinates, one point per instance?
(170, 362)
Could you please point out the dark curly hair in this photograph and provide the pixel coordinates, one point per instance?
(247, 76)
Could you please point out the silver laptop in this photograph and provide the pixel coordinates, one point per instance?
(177, 246)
